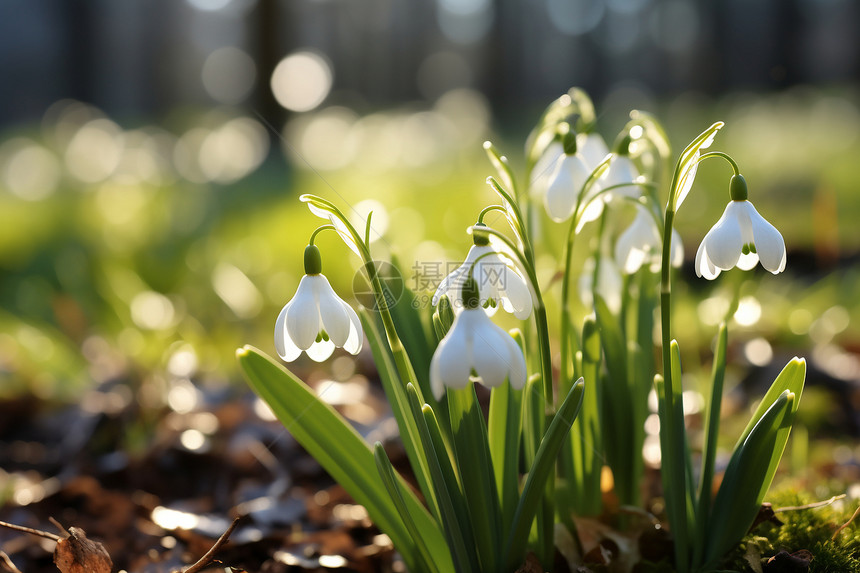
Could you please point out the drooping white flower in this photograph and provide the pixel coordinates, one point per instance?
(592, 148)
(499, 282)
(641, 243)
(609, 283)
(316, 320)
(564, 186)
(621, 173)
(478, 350)
(544, 167)
(740, 238)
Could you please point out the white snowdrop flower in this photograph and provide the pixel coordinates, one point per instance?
(544, 167)
(475, 349)
(621, 172)
(592, 148)
(609, 283)
(499, 282)
(642, 243)
(564, 186)
(316, 320)
(740, 238)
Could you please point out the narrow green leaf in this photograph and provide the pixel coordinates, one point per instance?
(541, 469)
(343, 453)
(395, 492)
(396, 393)
(791, 378)
(737, 502)
(476, 472)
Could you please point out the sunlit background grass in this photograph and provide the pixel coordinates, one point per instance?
(145, 253)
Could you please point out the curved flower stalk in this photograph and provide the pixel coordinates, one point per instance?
(316, 320)
(740, 238)
(476, 349)
(641, 244)
(499, 282)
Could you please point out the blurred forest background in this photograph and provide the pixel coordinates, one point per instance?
(152, 153)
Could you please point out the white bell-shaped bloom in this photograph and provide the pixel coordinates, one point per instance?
(592, 148)
(316, 320)
(544, 167)
(620, 174)
(641, 243)
(740, 238)
(564, 186)
(609, 283)
(476, 349)
(499, 283)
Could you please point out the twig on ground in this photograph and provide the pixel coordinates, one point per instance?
(31, 531)
(846, 524)
(207, 558)
(8, 563)
(815, 505)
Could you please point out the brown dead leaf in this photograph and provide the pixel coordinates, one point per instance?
(77, 554)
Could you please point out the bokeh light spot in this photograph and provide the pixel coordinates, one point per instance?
(302, 81)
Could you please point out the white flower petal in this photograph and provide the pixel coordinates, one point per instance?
(724, 241)
(517, 374)
(747, 262)
(334, 317)
(621, 171)
(768, 242)
(560, 197)
(544, 167)
(592, 148)
(704, 266)
(355, 340)
(454, 353)
(320, 351)
(284, 345)
(517, 295)
(303, 317)
(491, 356)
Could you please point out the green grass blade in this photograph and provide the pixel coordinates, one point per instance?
(476, 472)
(739, 497)
(452, 505)
(396, 393)
(343, 453)
(541, 470)
(395, 491)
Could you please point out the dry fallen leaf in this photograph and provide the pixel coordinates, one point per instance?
(77, 554)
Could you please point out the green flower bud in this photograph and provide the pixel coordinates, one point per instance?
(313, 261)
(738, 188)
